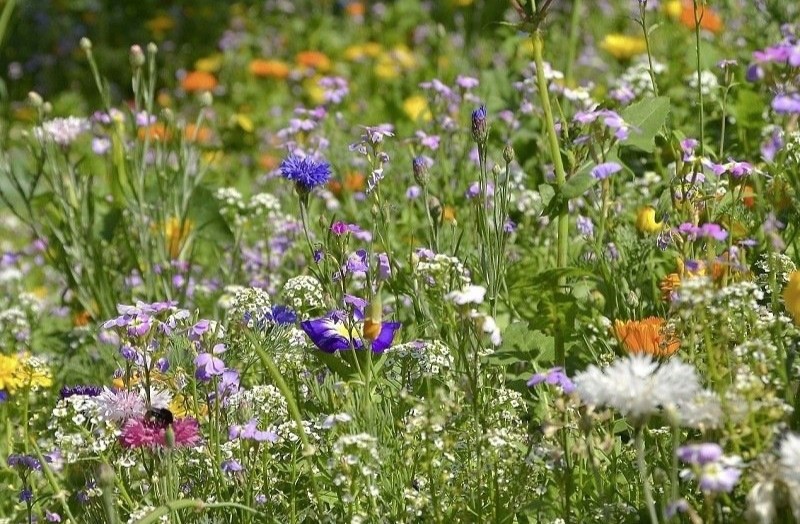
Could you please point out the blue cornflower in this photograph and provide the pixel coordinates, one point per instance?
(81, 389)
(305, 172)
(283, 315)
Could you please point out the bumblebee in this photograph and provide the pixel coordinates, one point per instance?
(161, 417)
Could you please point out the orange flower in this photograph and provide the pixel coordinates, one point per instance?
(314, 60)
(709, 19)
(81, 319)
(157, 132)
(649, 336)
(201, 135)
(268, 162)
(749, 196)
(196, 81)
(668, 286)
(449, 214)
(355, 9)
(353, 182)
(269, 68)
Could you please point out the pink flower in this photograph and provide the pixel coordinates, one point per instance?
(140, 433)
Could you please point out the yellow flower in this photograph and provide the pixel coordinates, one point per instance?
(33, 373)
(9, 381)
(623, 47)
(176, 234)
(646, 221)
(160, 25)
(649, 337)
(314, 91)
(209, 64)
(673, 8)
(416, 107)
(791, 296)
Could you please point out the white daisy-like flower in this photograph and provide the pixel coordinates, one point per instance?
(790, 458)
(704, 411)
(120, 405)
(637, 386)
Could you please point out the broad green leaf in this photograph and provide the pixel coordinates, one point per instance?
(645, 118)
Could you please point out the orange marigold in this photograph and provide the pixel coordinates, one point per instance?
(201, 135)
(269, 68)
(314, 60)
(709, 19)
(649, 336)
(157, 132)
(196, 81)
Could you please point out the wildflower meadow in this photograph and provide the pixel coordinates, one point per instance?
(400, 261)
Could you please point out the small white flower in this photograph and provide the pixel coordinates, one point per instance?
(468, 295)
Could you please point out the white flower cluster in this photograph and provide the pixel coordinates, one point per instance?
(232, 206)
(265, 402)
(442, 272)
(354, 465)
(709, 85)
(773, 267)
(304, 295)
(79, 430)
(250, 307)
(61, 131)
(14, 322)
(406, 363)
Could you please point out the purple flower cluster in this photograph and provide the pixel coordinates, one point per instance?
(82, 390)
(709, 230)
(610, 119)
(250, 431)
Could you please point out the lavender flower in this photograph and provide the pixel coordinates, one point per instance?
(555, 377)
(605, 170)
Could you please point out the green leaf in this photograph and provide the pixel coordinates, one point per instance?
(646, 119)
(748, 109)
(578, 184)
(204, 211)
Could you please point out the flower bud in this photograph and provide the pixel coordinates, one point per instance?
(206, 99)
(47, 108)
(152, 48)
(169, 437)
(497, 170)
(480, 128)
(35, 99)
(421, 173)
(434, 206)
(136, 56)
(508, 153)
(86, 45)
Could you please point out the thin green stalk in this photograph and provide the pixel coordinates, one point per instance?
(645, 476)
(651, 69)
(561, 178)
(572, 48)
(5, 17)
(697, 20)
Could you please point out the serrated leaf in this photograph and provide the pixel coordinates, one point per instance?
(646, 119)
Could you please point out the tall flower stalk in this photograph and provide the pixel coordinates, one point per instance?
(562, 244)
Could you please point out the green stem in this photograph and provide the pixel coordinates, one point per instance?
(697, 20)
(572, 48)
(643, 13)
(5, 17)
(561, 178)
(644, 475)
